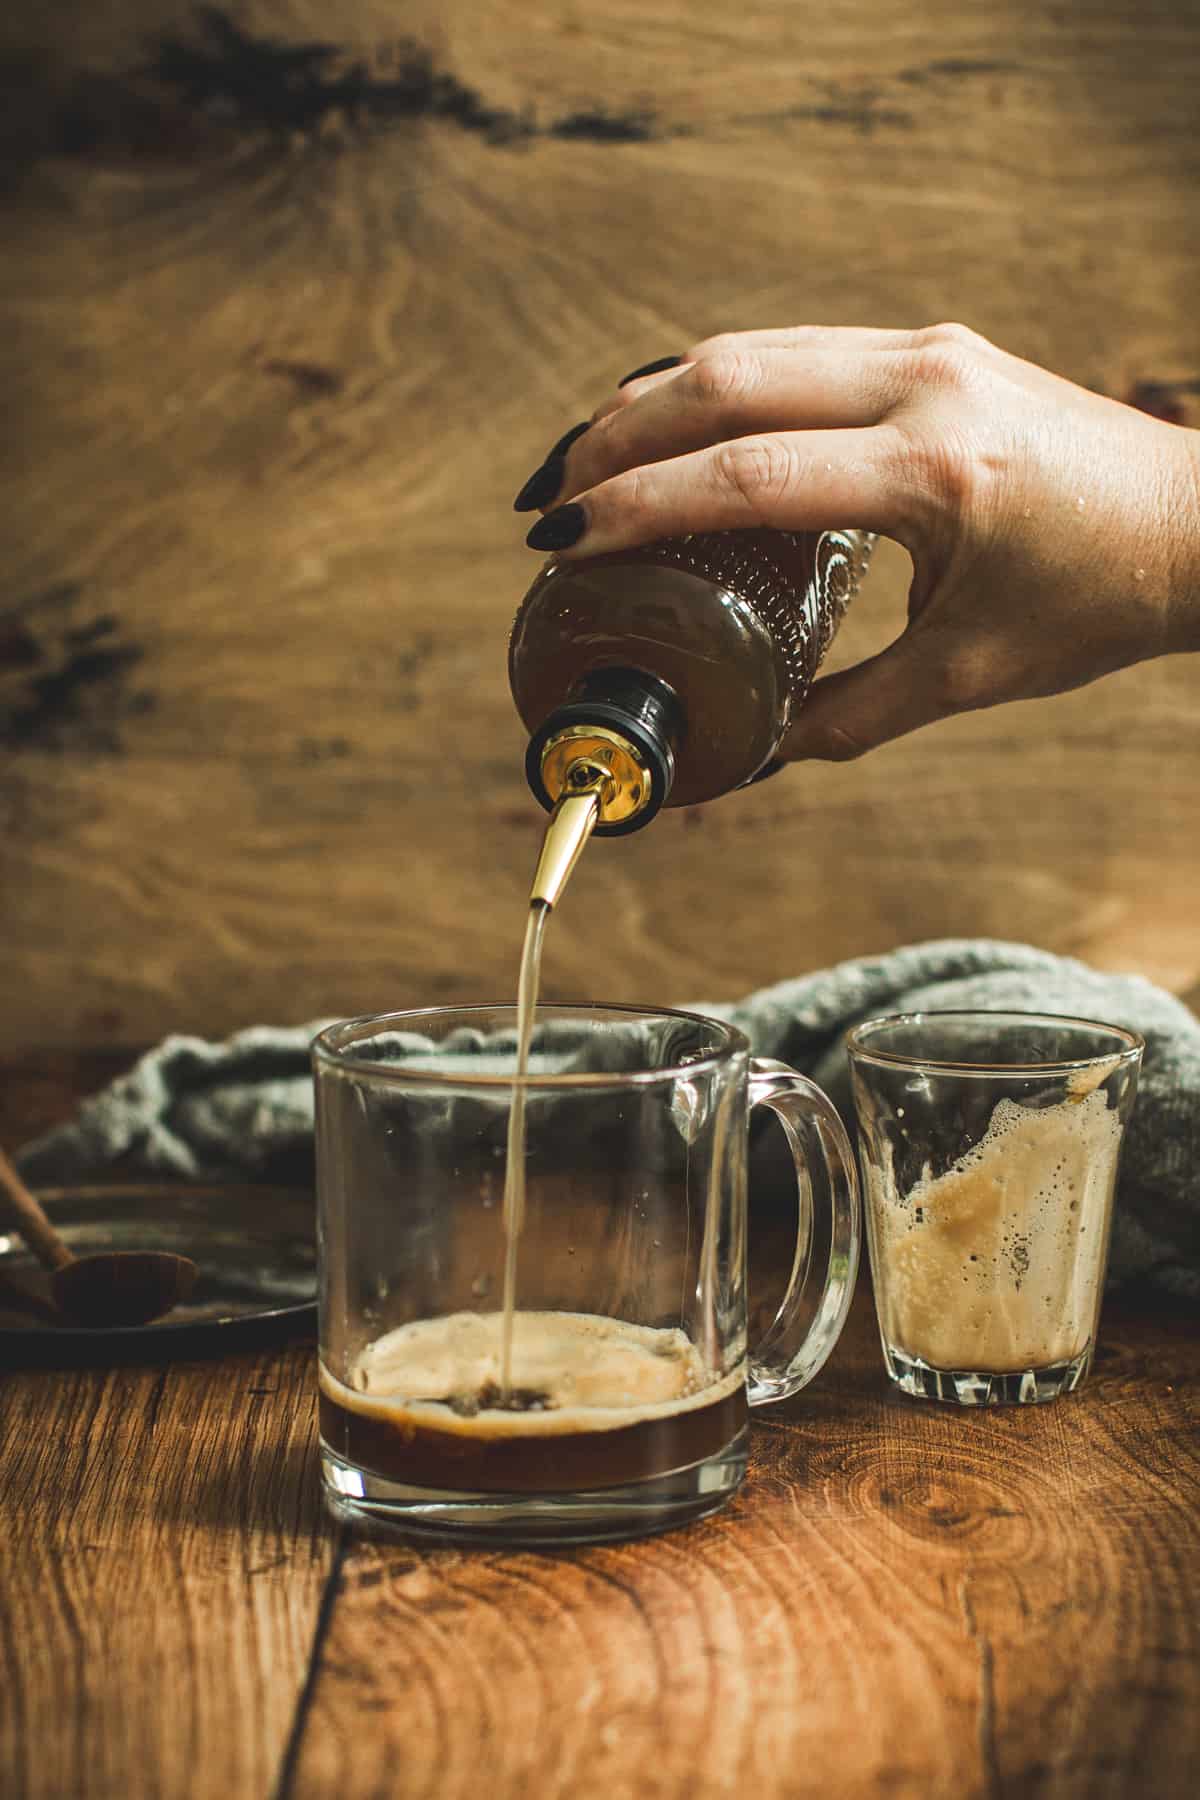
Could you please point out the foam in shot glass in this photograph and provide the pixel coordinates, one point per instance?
(630, 1370)
(989, 1144)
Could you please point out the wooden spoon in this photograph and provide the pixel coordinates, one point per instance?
(111, 1287)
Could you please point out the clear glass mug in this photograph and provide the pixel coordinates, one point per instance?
(989, 1144)
(631, 1375)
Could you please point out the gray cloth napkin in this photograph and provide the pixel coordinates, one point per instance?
(242, 1109)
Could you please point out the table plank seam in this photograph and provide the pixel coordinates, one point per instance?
(329, 1595)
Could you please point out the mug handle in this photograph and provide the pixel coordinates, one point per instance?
(789, 1356)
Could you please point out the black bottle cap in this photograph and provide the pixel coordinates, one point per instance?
(639, 708)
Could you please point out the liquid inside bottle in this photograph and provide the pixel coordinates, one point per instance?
(680, 666)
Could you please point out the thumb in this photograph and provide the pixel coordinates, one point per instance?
(852, 712)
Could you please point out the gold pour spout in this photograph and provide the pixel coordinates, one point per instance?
(571, 825)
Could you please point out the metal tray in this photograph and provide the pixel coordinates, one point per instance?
(254, 1248)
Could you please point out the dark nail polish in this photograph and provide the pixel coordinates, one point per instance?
(568, 438)
(654, 368)
(559, 529)
(541, 487)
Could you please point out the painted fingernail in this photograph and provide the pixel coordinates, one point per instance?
(568, 438)
(654, 368)
(559, 529)
(542, 486)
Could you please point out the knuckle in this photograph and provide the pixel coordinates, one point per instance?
(626, 495)
(599, 434)
(722, 377)
(948, 356)
(951, 332)
(756, 470)
(944, 365)
(712, 346)
(937, 467)
(610, 447)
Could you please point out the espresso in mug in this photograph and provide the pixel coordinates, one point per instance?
(593, 1402)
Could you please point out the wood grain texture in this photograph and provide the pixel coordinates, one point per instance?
(274, 367)
(161, 1565)
(903, 1601)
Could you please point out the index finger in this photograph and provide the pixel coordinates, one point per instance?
(737, 395)
(783, 481)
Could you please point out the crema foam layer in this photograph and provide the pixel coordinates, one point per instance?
(996, 1264)
(571, 1372)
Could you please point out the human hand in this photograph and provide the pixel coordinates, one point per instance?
(1054, 533)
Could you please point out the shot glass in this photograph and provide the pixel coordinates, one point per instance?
(989, 1144)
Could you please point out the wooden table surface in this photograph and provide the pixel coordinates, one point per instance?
(903, 1600)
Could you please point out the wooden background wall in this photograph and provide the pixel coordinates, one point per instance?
(280, 338)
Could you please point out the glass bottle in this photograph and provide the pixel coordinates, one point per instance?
(670, 674)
